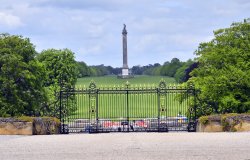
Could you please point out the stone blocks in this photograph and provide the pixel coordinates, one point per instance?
(38, 126)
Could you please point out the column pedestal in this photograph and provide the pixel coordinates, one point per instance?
(125, 72)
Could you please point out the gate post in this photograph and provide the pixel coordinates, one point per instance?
(63, 112)
(162, 125)
(93, 103)
(192, 109)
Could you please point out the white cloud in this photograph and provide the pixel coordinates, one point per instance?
(91, 50)
(10, 20)
(157, 30)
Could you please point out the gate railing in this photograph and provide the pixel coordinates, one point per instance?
(127, 108)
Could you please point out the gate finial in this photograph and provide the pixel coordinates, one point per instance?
(92, 85)
(127, 84)
(162, 84)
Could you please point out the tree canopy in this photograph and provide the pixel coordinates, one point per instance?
(223, 73)
(182, 73)
(61, 75)
(170, 68)
(83, 70)
(21, 77)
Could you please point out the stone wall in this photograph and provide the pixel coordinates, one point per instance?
(10, 126)
(42, 126)
(224, 123)
(31, 126)
(211, 127)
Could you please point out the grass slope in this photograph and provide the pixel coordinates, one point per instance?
(113, 80)
(141, 105)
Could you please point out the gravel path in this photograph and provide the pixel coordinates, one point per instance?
(128, 146)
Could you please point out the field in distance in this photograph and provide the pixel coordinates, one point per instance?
(113, 80)
(141, 105)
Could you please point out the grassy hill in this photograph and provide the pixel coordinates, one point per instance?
(113, 80)
(114, 105)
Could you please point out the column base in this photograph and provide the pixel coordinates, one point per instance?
(125, 72)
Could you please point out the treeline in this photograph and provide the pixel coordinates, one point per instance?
(223, 73)
(30, 82)
(175, 68)
(98, 70)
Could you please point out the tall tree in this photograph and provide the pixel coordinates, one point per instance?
(83, 69)
(138, 70)
(170, 68)
(223, 71)
(61, 69)
(21, 77)
(182, 73)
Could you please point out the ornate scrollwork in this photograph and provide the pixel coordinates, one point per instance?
(92, 89)
(127, 84)
(162, 92)
(162, 85)
(93, 95)
(190, 88)
(92, 85)
(190, 85)
(64, 112)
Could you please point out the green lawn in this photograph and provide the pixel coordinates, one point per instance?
(113, 80)
(140, 105)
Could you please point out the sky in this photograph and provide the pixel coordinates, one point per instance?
(158, 30)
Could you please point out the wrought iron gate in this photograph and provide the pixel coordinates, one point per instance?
(127, 108)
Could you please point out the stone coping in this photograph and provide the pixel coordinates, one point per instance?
(224, 123)
(11, 120)
(39, 126)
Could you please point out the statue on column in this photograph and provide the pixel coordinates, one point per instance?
(124, 31)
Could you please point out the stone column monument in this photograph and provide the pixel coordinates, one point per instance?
(125, 71)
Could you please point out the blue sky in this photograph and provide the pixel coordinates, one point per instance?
(158, 30)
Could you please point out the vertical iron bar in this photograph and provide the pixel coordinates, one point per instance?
(60, 115)
(67, 106)
(127, 111)
(195, 116)
(78, 98)
(168, 106)
(89, 110)
(83, 105)
(189, 98)
(97, 120)
(158, 94)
